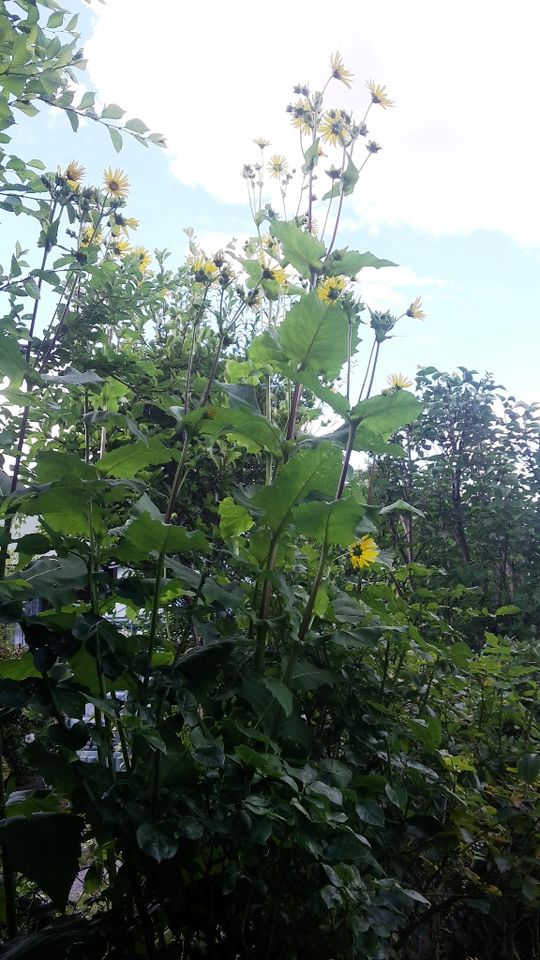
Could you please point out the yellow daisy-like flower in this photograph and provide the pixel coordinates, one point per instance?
(334, 127)
(338, 69)
(398, 381)
(122, 224)
(415, 310)
(277, 166)
(91, 237)
(331, 289)
(204, 270)
(362, 553)
(120, 247)
(379, 95)
(261, 142)
(274, 273)
(73, 173)
(144, 257)
(116, 183)
(302, 115)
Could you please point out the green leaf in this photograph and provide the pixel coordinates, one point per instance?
(240, 424)
(314, 336)
(148, 534)
(234, 519)
(528, 767)
(116, 138)
(281, 693)
(155, 842)
(386, 413)
(12, 362)
(316, 469)
(370, 812)
(508, 610)
(300, 248)
(329, 523)
(136, 125)
(131, 458)
(18, 668)
(74, 377)
(460, 654)
(34, 843)
(400, 506)
(112, 112)
(322, 789)
(397, 796)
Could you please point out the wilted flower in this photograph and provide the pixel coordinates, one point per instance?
(415, 310)
(277, 166)
(116, 183)
(398, 381)
(338, 69)
(379, 95)
(73, 173)
(362, 553)
(331, 288)
(373, 147)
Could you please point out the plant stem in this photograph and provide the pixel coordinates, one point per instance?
(10, 885)
(264, 610)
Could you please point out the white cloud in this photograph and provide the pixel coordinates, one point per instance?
(461, 149)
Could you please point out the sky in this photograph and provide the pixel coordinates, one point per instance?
(452, 197)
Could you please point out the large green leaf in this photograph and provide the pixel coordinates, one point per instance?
(249, 426)
(234, 519)
(329, 523)
(349, 262)
(314, 336)
(311, 470)
(386, 413)
(145, 534)
(300, 248)
(128, 460)
(45, 847)
(12, 362)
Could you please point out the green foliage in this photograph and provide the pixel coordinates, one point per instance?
(298, 751)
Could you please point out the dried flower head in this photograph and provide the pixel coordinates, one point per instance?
(74, 173)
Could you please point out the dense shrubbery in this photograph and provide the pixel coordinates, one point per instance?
(312, 691)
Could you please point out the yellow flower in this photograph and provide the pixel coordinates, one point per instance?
(261, 142)
(379, 95)
(91, 237)
(123, 224)
(398, 381)
(204, 270)
(277, 166)
(121, 247)
(144, 257)
(302, 114)
(73, 173)
(331, 288)
(362, 553)
(334, 127)
(274, 273)
(415, 310)
(116, 183)
(338, 69)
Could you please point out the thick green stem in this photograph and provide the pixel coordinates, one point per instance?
(264, 611)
